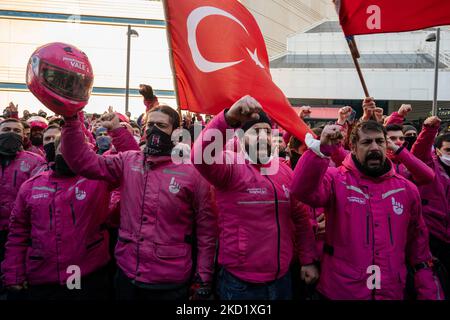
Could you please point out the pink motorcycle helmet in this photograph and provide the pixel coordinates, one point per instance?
(60, 76)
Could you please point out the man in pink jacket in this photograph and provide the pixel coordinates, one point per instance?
(260, 226)
(405, 163)
(161, 203)
(57, 233)
(436, 194)
(374, 219)
(17, 166)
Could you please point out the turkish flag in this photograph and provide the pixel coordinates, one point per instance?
(219, 56)
(382, 16)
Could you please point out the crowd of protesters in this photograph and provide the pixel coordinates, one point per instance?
(359, 211)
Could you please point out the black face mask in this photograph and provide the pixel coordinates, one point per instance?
(370, 172)
(49, 149)
(10, 144)
(159, 143)
(411, 141)
(37, 140)
(61, 167)
(294, 159)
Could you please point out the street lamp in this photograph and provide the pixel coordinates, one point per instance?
(435, 37)
(131, 33)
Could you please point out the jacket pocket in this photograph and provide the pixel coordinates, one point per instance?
(72, 211)
(391, 236)
(94, 243)
(35, 261)
(345, 269)
(169, 251)
(36, 258)
(124, 239)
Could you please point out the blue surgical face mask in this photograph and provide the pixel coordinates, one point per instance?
(103, 142)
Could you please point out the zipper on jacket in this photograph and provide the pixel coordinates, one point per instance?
(373, 293)
(15, 178)
(72, 210)
(142, 214)
(446, 205)
(58, 267)
(390, 229)
(278, 228)
(373, 262)
(367, 226)
(50, 210)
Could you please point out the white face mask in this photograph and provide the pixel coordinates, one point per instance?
(445, 160)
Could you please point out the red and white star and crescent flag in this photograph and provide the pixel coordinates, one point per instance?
(219, 56)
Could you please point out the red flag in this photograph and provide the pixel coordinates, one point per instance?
(382, 16)
(219, 56)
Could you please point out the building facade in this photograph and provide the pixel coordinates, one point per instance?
(317, 69)
(310, 60)
(99, 28)
(279, 19)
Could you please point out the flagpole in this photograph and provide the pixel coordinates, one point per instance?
(169, 43)
(355, 55)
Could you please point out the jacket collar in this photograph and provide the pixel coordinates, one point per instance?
(152, 161)
(56, 177)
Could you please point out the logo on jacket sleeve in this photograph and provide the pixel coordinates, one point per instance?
(397, 207)
(80, 194)
(174, 187)
(25, 166)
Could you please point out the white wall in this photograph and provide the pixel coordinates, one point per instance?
(344, 83)
(143, 9)
(406, 42)
(280, 18)
(105, 45)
